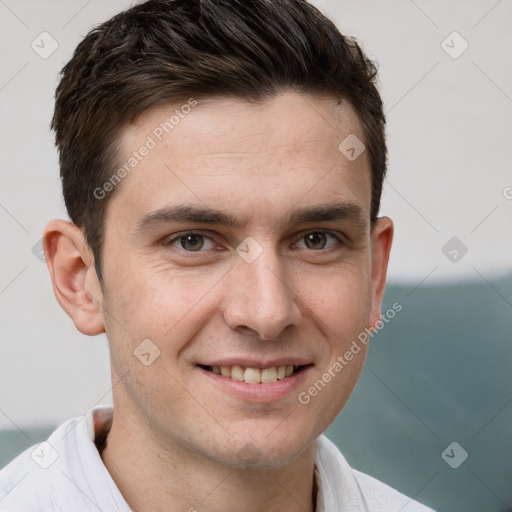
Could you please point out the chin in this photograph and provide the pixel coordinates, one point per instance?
(264, 451)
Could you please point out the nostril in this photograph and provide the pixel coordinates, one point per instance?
(247, 331)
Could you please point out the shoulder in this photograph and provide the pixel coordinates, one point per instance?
(382, 497)
(15, 478)
(32, 479)
(341, 485)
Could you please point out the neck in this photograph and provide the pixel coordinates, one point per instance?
(156, 476)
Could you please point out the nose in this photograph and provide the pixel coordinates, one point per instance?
(258, 298)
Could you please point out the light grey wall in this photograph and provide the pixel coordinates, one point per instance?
(449, 126)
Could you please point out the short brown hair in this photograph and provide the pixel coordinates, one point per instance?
(163, 51)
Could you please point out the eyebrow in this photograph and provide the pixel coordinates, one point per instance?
(206, 215)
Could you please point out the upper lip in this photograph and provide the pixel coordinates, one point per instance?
(257, 363)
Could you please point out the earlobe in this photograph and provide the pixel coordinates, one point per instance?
(382, 238)
(75, 283)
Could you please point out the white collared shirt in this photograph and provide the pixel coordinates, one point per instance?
(66, 474)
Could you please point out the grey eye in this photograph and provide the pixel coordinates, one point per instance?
(315, 240)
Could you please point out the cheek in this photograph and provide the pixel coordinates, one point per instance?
(339, 299)
(161, 303)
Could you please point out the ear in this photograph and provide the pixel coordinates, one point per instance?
(382, 237)
(75, 283)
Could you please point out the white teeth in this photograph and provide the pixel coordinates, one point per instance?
(237, 373)
(269, 375)
(255, 375)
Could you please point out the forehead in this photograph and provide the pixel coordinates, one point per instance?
(247, 156)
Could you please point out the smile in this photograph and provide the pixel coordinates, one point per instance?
(255, 375)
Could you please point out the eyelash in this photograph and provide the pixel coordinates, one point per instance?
(184, 234)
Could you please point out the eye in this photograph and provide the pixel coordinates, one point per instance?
(191, 242)
(319, 240)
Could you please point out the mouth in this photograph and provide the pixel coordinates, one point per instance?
(253, 375)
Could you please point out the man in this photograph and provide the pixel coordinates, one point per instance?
(222, 164)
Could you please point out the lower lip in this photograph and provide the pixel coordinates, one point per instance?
(270, 392)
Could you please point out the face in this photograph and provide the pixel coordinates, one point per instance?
(238, 250)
